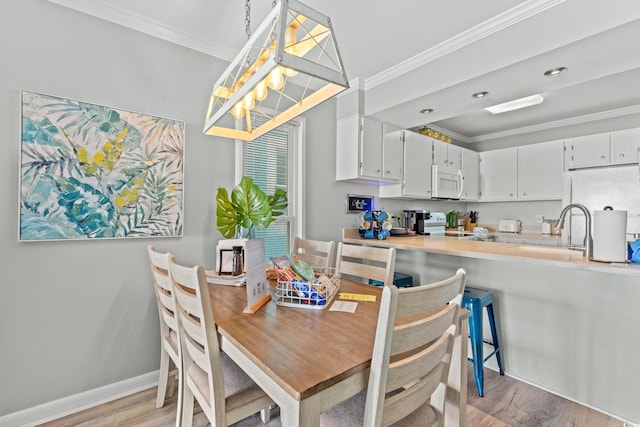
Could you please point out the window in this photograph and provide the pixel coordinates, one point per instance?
(274, 160)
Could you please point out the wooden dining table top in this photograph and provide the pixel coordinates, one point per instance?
(303, 350)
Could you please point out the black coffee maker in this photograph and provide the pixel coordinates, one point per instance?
(414, 220)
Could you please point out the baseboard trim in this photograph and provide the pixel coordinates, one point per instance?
(79, 402)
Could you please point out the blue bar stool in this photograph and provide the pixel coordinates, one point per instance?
(475, 300)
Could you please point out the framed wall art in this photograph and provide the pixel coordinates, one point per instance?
(93, 172)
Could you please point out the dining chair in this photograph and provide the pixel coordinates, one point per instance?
(170, 351)
(366, 263)
(316, 253)
(225, 393)
(411, 358)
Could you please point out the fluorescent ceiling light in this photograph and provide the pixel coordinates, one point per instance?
(516, 104)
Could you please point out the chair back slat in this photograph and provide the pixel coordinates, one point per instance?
(365, 263)
(316, 253)
(412, 348)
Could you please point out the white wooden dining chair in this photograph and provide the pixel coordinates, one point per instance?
(224, 392)
(316, 253)
(366, 262)
(170, 351)
(411, 358)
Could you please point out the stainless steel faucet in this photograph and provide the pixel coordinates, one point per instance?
(587, 245)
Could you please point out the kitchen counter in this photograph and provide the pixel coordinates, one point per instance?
(536, 254)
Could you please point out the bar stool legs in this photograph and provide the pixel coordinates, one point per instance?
(475, 300)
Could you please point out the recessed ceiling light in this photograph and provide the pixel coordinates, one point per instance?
(480, 94)
(516, 104)
(426, 111)
(555, 71)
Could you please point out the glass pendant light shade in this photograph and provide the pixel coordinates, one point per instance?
(295, 54)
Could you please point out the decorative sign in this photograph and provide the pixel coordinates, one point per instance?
(257, 285)
(357, 203)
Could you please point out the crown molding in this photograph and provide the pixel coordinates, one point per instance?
(104, 10)
(577, 120)
(480, 31)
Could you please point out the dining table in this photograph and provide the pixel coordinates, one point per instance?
(309, 360)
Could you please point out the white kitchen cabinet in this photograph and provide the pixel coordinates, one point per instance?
(588, 151)
(470, 174)
(625, 146)
(446, 155)
(416, 169)
(540, 171)
(392, 152)
(360, 152)
(499, 175)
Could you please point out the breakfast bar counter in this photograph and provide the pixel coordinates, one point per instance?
(566, 324)
(544, 255)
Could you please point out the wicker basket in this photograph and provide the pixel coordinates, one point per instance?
(315, 295)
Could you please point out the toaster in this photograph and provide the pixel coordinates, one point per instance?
(510, 226)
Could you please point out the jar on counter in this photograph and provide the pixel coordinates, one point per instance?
(546, 226)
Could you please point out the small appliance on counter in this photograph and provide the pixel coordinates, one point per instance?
(414, 220)
(435, 224)
(510, 226)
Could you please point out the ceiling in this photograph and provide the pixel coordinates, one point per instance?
(380, 45)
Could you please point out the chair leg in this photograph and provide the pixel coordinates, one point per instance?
(179, 409)
(265, 414)
(187, 405)
(164, 378)
(494, 336)
(475, 331)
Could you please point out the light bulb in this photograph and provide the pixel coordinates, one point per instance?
(237, 111)
(248, 102)
(260, 92)
(274, 79)
(289, 72)
(290, 40)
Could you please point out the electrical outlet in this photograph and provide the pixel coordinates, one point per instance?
(539, 219)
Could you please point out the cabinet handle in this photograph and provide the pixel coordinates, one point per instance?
(621, 155)
(602, 157)
(388, 172)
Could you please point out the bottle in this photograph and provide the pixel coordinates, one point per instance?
(236, 263)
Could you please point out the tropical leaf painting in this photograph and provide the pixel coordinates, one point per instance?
(89, 171)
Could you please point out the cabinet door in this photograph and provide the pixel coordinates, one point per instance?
(499, 174)
(589, 150)
(392, 149)
(540, 169)
(371, 148)
(417, 165)
(447, 155)
(471, 174)
(625, 146)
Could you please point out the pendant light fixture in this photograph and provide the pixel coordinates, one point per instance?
(290, 64)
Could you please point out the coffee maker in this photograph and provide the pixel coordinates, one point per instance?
(414, 220)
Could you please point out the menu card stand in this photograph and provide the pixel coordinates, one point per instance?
(257, 285)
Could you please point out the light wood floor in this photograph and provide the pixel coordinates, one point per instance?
(506, 402)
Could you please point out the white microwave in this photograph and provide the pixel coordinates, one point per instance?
(446, 183)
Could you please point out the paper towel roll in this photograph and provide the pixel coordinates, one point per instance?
(610, 235)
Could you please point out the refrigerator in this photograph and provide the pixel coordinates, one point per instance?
(618, 187)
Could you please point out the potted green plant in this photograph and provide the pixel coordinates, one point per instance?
(248, 209)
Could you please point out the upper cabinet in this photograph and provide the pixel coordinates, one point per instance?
(603, 149)
(447, 155)
(540, 171)
(362, 154)
(588, 151)
(470, 174)
(499, 175)
(625, 146)
(416, 181)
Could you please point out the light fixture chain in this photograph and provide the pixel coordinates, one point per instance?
(247, 17)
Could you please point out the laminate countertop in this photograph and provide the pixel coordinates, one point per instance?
(534, 254)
